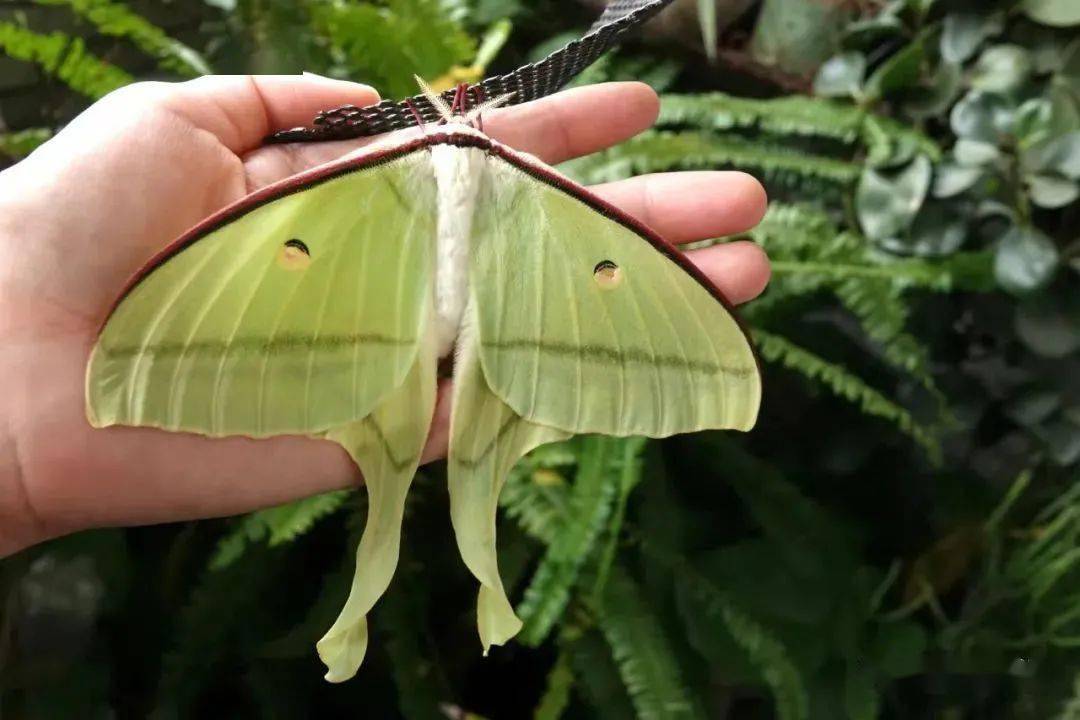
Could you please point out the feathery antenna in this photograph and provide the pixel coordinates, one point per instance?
(436, 100)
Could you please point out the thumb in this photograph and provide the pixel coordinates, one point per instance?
(241, 110)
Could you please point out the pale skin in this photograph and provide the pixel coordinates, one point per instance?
(91, 206)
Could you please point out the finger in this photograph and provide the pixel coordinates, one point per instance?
(554, 128)
(576, 122)
(438, 441)
(687, 206)
(739, 269)
(241, 110)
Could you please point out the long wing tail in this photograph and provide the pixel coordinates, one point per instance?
(486, 439)
(386, 446)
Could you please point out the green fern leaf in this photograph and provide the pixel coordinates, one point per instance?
(630, 470)
(63, 57)
(659, 151)
(597, 676)
(765, 651)
(556, 696)
(936, 276)
(883, 315)
(212, 628)
(798, 116)
(536, 493)
(117, 20)
(21, 143)
(401, 621)
(588, 508)
(774, 348)
(277, 525)
(1071, 709)
(537, 500)
(796, 231)
(791, 116)
(642, 653)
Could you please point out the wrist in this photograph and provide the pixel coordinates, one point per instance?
(20, 526)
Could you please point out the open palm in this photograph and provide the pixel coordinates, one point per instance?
(86, 210)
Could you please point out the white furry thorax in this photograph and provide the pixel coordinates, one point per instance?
(457, 175)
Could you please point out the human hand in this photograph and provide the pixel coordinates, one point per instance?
(85, 211)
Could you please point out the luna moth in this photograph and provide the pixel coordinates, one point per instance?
(322, 306)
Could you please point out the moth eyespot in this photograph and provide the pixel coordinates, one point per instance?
(294, 255)
(607, 275)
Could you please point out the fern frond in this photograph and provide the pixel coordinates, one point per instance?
(212, 626)
(836, 378)
(642, 653)
(117, 20)
(659, 151)
(401, 621)
(884, 138)
(937, 276)
(794, 229)
(883, 315)
(598, 680)
(278, 525)
(1070, 710)
(556, 696)
(538, 499)
(630, 468)
(796, 116)
(248, 530)
(588, 509)
(21, 143)
(288, 522)
(766, 652)
(63, 57)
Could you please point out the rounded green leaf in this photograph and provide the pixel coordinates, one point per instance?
(982, 116)
(871, 32)
(899, 72)
(899, 648)
(938, 230)
(1062, 440)
(1052, 191)
(1033, 407)
(1059, 13)
(841, 75)
(963, 32)
(1002, 69)
(975, 153)
(934, 95)
(1049, 323)
(1060, 155)
(1025, 260)
(951, 180)
(886, 203)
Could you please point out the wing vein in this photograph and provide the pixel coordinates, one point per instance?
(176, 394)
(338, 267)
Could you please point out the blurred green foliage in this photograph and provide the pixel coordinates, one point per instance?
(900, 536)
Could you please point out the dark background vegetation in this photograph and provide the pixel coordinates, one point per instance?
(899, 536)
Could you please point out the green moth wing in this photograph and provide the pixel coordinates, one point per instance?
(487, 439)
(386, 446)
(295, 313)
(579, 320)
(589, 323)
